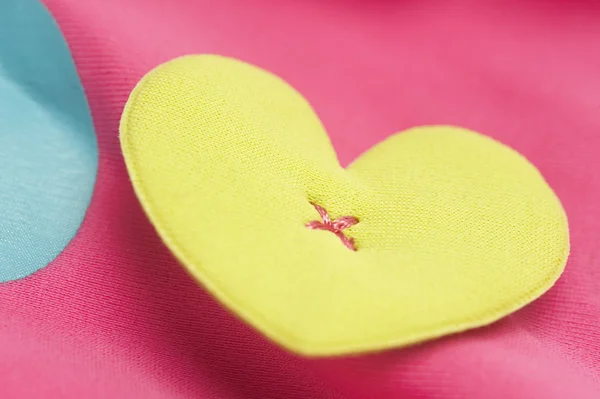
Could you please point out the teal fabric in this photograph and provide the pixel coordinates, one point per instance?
(48, 152)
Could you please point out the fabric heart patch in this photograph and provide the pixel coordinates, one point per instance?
(433, 231)
(48, 152)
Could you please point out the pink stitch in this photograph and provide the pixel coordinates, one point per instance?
(336, 226)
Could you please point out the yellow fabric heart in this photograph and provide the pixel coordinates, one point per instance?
(454, 229)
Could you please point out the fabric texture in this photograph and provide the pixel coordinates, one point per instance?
(105, 318)
(454, 230)
(48, 153)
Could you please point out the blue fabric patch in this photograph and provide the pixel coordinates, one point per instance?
(48, 151)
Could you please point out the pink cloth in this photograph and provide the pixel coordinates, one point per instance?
(116, 317)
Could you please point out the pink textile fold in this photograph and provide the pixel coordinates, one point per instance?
(116, 316)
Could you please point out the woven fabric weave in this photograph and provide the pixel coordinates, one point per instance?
(105, 320)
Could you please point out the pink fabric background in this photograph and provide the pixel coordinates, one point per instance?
(115, 316)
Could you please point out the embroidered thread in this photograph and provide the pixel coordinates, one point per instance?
(335, 226)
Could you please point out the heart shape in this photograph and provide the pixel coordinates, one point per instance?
(453, 229)
(48, 152)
